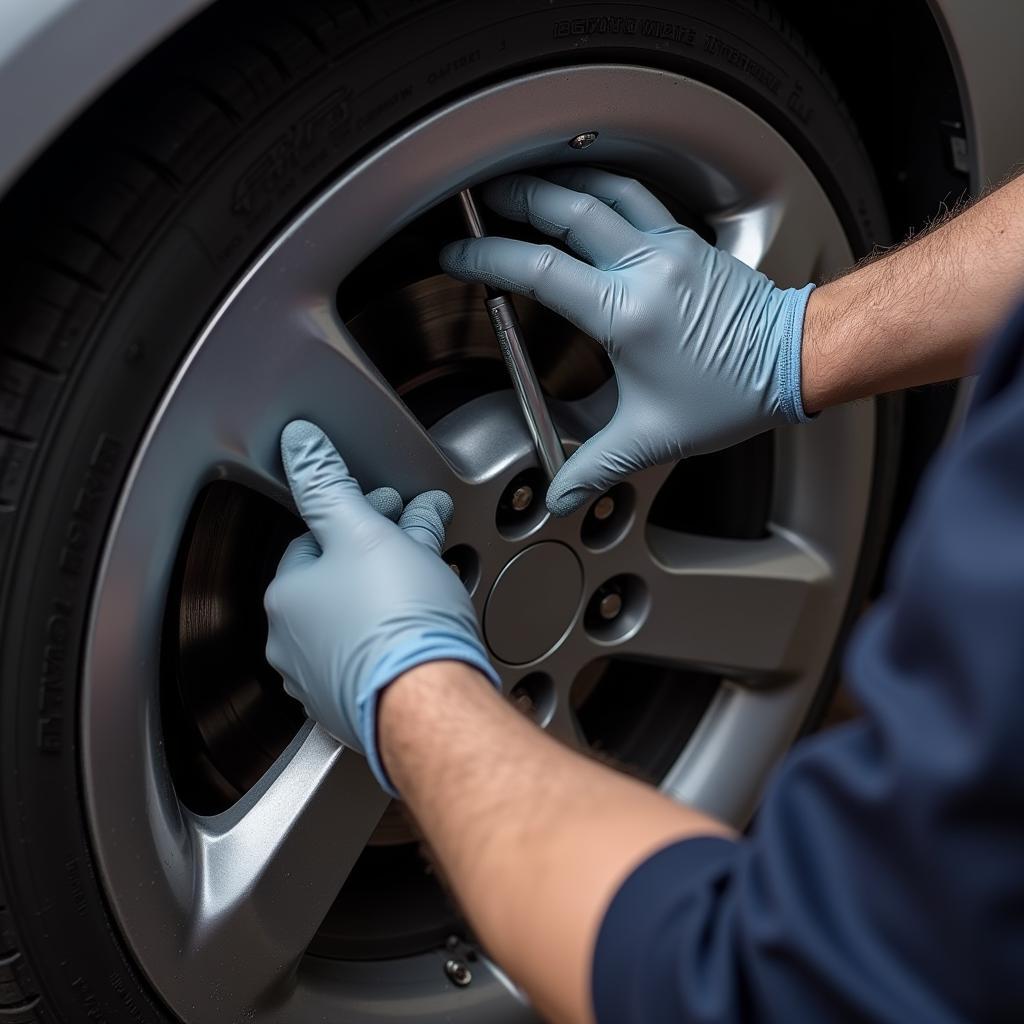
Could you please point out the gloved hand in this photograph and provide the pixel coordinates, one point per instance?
(706, 351)
(359, 600)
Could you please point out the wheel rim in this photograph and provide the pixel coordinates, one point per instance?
(219, 910)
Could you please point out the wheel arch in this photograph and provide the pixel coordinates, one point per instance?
(92, 43)
(930, 85)
(990, 77)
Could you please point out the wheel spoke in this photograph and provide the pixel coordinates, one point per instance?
(267, 871)
(739, 607)
(486, 439)
(790, 234)
(298, 361)
(376, 432)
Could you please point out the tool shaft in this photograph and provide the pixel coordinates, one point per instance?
(527, 387)
(509, 333)
(471, 214)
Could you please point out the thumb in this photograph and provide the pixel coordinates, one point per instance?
(300, 551)
(426, 518)
(324, 490)
(604, 460)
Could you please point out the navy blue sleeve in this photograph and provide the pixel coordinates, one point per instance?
(884, 877)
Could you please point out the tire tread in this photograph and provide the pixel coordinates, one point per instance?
(19, 998)
(82, 255)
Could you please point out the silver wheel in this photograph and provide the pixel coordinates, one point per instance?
(221, 908)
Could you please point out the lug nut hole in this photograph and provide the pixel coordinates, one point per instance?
(617, 609)
(534, 696)
(609, 518)
(521, 508)
(465, 563)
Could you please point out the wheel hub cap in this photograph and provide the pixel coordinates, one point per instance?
(533, 603)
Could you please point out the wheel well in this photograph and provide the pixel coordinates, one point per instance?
(900, 86)
(901, 89)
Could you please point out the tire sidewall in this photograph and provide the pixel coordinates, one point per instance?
(216, 228)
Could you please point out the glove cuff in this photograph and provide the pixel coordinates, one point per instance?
(435, 646)
(788, 369)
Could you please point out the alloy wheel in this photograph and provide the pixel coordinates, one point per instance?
(221, 905)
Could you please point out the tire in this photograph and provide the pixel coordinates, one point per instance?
(120, 244)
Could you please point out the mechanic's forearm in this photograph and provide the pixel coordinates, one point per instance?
(533, 838)
(919, 314)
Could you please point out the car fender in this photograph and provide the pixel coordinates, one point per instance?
(57, 56)
(983, 40)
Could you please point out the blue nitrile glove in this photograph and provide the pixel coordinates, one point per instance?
(359, 600)
(706, 351)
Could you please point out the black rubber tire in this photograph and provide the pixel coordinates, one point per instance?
(121, 241)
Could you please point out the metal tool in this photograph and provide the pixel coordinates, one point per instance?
(507, 330)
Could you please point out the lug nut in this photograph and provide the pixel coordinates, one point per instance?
(520, 508)
(609, 518)
(583, 140)
(617, 608)
(533, 696)
(523, 702)
(610, 606)
(522, 497)
(458, 973)
(465, 563)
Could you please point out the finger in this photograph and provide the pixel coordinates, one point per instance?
(562, 283)
(586, 224)
(387, 501)
(608, 457)
(301, 551)
(626, 196)
(325, 493)
(426, 518)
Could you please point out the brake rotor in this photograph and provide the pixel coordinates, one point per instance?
(433, 342)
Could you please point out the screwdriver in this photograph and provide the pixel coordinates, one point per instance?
(507, 330)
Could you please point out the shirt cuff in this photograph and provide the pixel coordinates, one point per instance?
(658, 913)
